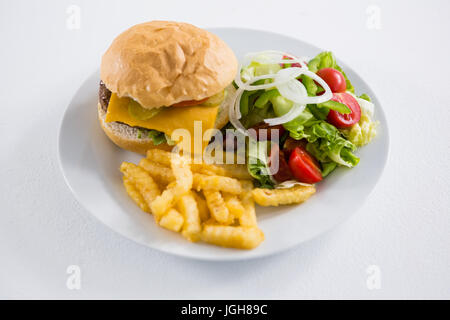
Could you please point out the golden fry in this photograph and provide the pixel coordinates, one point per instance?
(234, 237)
(182, 172)
(172, 220)
(247, 185)
(216, 183)
(237, 171)
(176, 189)
(144, 183)
(248, 218)
(164, 202)
(234, 205)
(134, 194)
(202, 206)
(217, 206)
(188, 208)
(208, 169)
(276, 197)
(159, 156)
(158, 171)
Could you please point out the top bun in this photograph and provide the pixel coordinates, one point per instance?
(160, 63)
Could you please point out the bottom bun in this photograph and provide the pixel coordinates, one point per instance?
(126, 137)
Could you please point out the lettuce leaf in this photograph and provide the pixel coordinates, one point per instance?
(157, 137)
(325, 142)
(362, 132)
(365, 130)
(258, 164)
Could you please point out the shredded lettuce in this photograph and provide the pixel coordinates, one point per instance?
(157, 137)
(362, 132)
(365, 130)
(325, 142)
(258, 163)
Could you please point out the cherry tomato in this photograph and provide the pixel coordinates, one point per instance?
(189, 103)
(340, 120)
(304, 167)
(334, 78)
(282, 173)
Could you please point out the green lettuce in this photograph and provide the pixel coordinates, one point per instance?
(365, 130)
(325, 142)
(258, 163)
(157, 137)
(362, 132)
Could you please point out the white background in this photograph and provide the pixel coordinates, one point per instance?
(404, 228)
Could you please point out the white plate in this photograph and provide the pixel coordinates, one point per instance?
(90, 162)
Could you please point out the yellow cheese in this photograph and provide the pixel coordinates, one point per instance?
(167, 120)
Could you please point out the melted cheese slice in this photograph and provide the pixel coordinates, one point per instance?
(167, 120)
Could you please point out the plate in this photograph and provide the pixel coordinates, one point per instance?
(90, 165)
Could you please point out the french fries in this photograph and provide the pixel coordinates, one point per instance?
(158, 171)
(233, 237)
(203, 210)
(176, 189)
(159, 156)
(188, 208)
(142, 181)
(135, 194)
(204, 202)
(217, 207)
(216, 183)
(234, 205)
(276, 197)
(172, 220)
(248, 218)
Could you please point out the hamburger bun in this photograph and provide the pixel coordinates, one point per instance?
(160, 63)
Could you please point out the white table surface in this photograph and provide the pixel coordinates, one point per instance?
(403, 229)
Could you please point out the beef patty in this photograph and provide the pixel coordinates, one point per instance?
(103, 96)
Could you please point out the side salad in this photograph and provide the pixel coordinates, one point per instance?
(313, 105)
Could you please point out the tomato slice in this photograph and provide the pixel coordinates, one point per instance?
(189, 103)
(283, 172)
(340, 120)
(304, 167)
(334, 79)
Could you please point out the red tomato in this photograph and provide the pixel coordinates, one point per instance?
(340, 120)
(333, 78)
(283, 172)
(304, 167)
(189, 103)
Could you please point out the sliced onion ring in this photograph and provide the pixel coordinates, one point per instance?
(234, 112)
(293, 90)
(291, 183)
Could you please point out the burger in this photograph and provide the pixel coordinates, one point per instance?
(160, 76)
